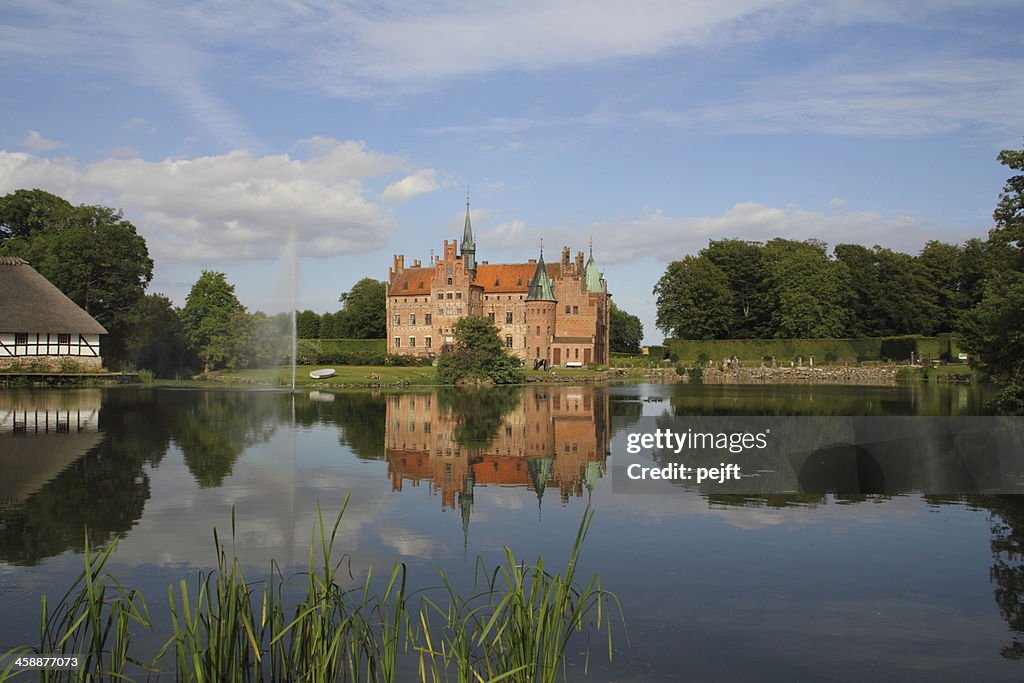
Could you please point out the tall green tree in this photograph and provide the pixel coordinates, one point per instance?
(994, 329)
(91, 253)
(307, 325)
(743, 265)
(364, 310)
(478, 355)
(694, 300)
(808, 293)
(156, 338)
(217, 327)
(893, 293)
(626, 331)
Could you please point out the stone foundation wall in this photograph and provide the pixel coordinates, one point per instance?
(831, 374)
(51, 364)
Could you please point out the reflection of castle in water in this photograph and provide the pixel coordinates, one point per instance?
(555, 436)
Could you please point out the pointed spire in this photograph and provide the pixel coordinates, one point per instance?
(468, 245)
(541, 288)
(595, 278)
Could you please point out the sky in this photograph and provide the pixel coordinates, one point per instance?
(260, 138)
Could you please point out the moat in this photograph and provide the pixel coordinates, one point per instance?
(818, 587)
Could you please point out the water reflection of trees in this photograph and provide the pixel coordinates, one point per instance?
(214, 428)
(1007, 572)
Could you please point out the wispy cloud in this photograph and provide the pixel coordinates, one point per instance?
(35, 142)
(230, 207)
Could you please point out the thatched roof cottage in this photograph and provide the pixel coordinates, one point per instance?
(40, 326)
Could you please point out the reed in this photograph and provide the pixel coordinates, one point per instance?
(517, 627)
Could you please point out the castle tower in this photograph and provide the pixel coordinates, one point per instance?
(468, 245)
(540, 314)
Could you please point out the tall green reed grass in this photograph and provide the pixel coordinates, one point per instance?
(516, 628)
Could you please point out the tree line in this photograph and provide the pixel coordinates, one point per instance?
(99, 260)
(735, 289)
(796, 289)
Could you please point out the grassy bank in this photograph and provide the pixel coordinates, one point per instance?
(517, 626)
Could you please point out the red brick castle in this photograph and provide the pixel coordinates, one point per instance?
(553, 312)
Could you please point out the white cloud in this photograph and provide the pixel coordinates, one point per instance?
(37, 143)
(658, 236)
(233, 206)
(421, 182)
(508, 235)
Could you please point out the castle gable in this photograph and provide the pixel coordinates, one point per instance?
(411, 282)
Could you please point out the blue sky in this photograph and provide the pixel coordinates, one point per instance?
(225, 128)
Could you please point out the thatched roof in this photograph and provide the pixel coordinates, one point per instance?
(30, 303)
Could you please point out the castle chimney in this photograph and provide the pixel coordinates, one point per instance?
(579, 262)
(565, 258)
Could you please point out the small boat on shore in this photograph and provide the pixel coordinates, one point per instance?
(322, 374)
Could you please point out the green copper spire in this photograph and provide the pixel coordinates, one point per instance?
(541, 288)
(595, 278)
(468, 245)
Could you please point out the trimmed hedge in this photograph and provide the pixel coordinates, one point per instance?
(823, 350)
(351, 352)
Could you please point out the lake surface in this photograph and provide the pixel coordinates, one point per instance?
(797, 587)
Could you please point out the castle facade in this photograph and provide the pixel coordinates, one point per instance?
(558, 313)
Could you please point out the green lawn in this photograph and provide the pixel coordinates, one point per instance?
(364, 375)
(348, 375)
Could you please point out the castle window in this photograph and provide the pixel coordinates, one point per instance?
(412, 344)
(577, 353)
(458, 310)
(508, 317)
(576, 310)
(398, 319)
(426, 342)
(567, 309)
(497, 282)
(508, 342)
(398, 342)
(412, 318)
(538, 352)
(491, 316)
(538, 330)
(449, 295)
(458, 295)
(440, 295)
(449, 281)
(427, 318)
(519, 282)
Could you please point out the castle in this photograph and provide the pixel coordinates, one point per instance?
(557, 313)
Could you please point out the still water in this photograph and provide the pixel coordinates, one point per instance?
(799, 587)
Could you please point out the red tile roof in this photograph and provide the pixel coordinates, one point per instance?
(412, 282)
(509, 277)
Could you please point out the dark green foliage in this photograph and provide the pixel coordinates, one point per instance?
(363, 312)
(478, 356)
(785, 350)
(626, 331)
(307, 325)
(744, 267)
(217, 327)
(91, 253)
(156, 338)
(694, 300)
(809, 295)
(994, 329)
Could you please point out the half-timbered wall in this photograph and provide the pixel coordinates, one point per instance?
(49, 344)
